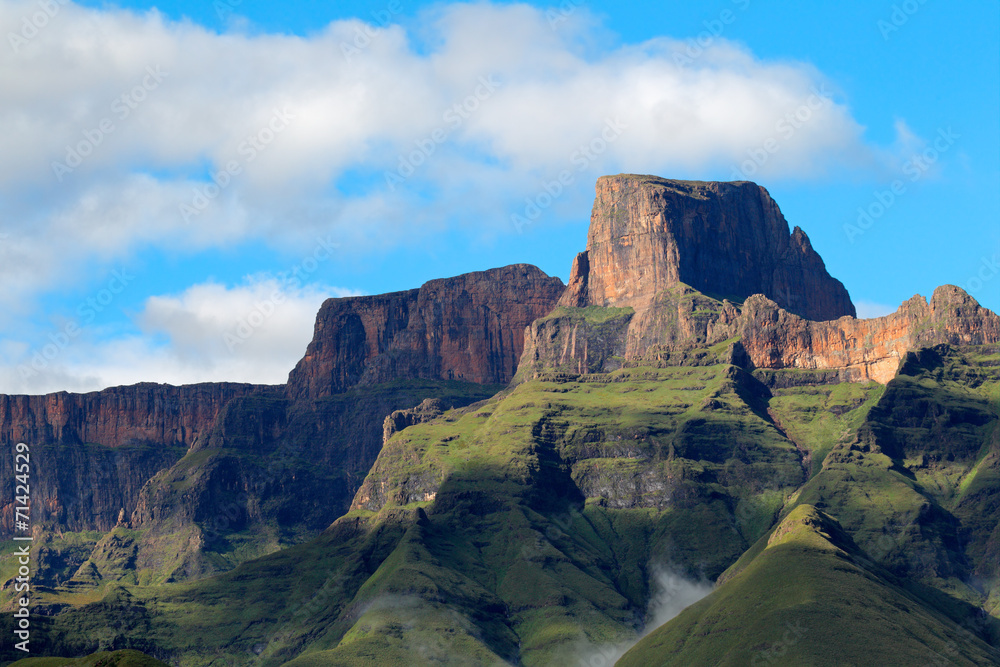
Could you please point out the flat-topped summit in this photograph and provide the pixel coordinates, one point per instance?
(727, 240)
(469, 327)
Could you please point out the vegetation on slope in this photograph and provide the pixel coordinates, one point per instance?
(810, 597)
(526, 529)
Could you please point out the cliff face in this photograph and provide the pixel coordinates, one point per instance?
(140, 413)
(863, 350)
(726, 240)
(92, 453)
(468, 328)
(684, 327)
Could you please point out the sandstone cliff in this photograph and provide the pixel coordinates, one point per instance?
(469, 328)
(683, 272)
(861, 350)
(726, 240)
(684, 327)
(145, 412)
(91, 453)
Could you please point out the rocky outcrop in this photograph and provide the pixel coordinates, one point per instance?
(676, 328)
(861, 350)
(570, 341)
(684, 327)
(468, 328)
(92, 453)
(139, 413)
(429, 408)
(726, 240)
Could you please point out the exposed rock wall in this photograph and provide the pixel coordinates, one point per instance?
(677, 268)
(92, 453)
(864, 349)
(726, 240)
(684, 327)
(139, 413)
(470, 328)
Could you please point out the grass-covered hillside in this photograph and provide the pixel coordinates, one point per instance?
(535, 527)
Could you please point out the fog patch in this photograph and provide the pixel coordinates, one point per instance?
(673, 592)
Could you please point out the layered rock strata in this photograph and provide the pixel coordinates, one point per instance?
(862, 350)
(469, 328)
(726, 240)
(682, 272)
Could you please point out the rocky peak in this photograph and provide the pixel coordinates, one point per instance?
(861, 350)
(470, 327)
(726, 240)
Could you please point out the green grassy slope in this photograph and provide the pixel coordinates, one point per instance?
(810, 597)
(527, 525)
(123, 658)
(918, 488)
(526, 528)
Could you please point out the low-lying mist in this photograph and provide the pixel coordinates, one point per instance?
(673, 592)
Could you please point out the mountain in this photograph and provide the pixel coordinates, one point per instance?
(726, 240)
(909, 575)
(158, 482)
(93, 452)
(832, 484)
(835, 607)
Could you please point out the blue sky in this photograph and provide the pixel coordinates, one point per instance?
(342, 164)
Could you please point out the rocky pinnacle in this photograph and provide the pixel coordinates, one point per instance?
(726, 240)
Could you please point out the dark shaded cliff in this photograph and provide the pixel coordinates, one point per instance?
(727, 240)
(91, 453)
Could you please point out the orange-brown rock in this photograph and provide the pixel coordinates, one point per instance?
(470, 328)
(726, 240)
(91, 453)
(681, 325)
(676, 258)
(141, 413)
(862, 350)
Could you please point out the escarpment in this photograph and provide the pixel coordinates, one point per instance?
(726, 240)
(682, 272)
(91, 453)
(164, 459)
(468, 328)
(870, 349)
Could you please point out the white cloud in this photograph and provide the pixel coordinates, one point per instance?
(255, 332)
(211, 92)
(159, 106)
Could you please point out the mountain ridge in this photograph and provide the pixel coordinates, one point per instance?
(647, 428)
(726, 240)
